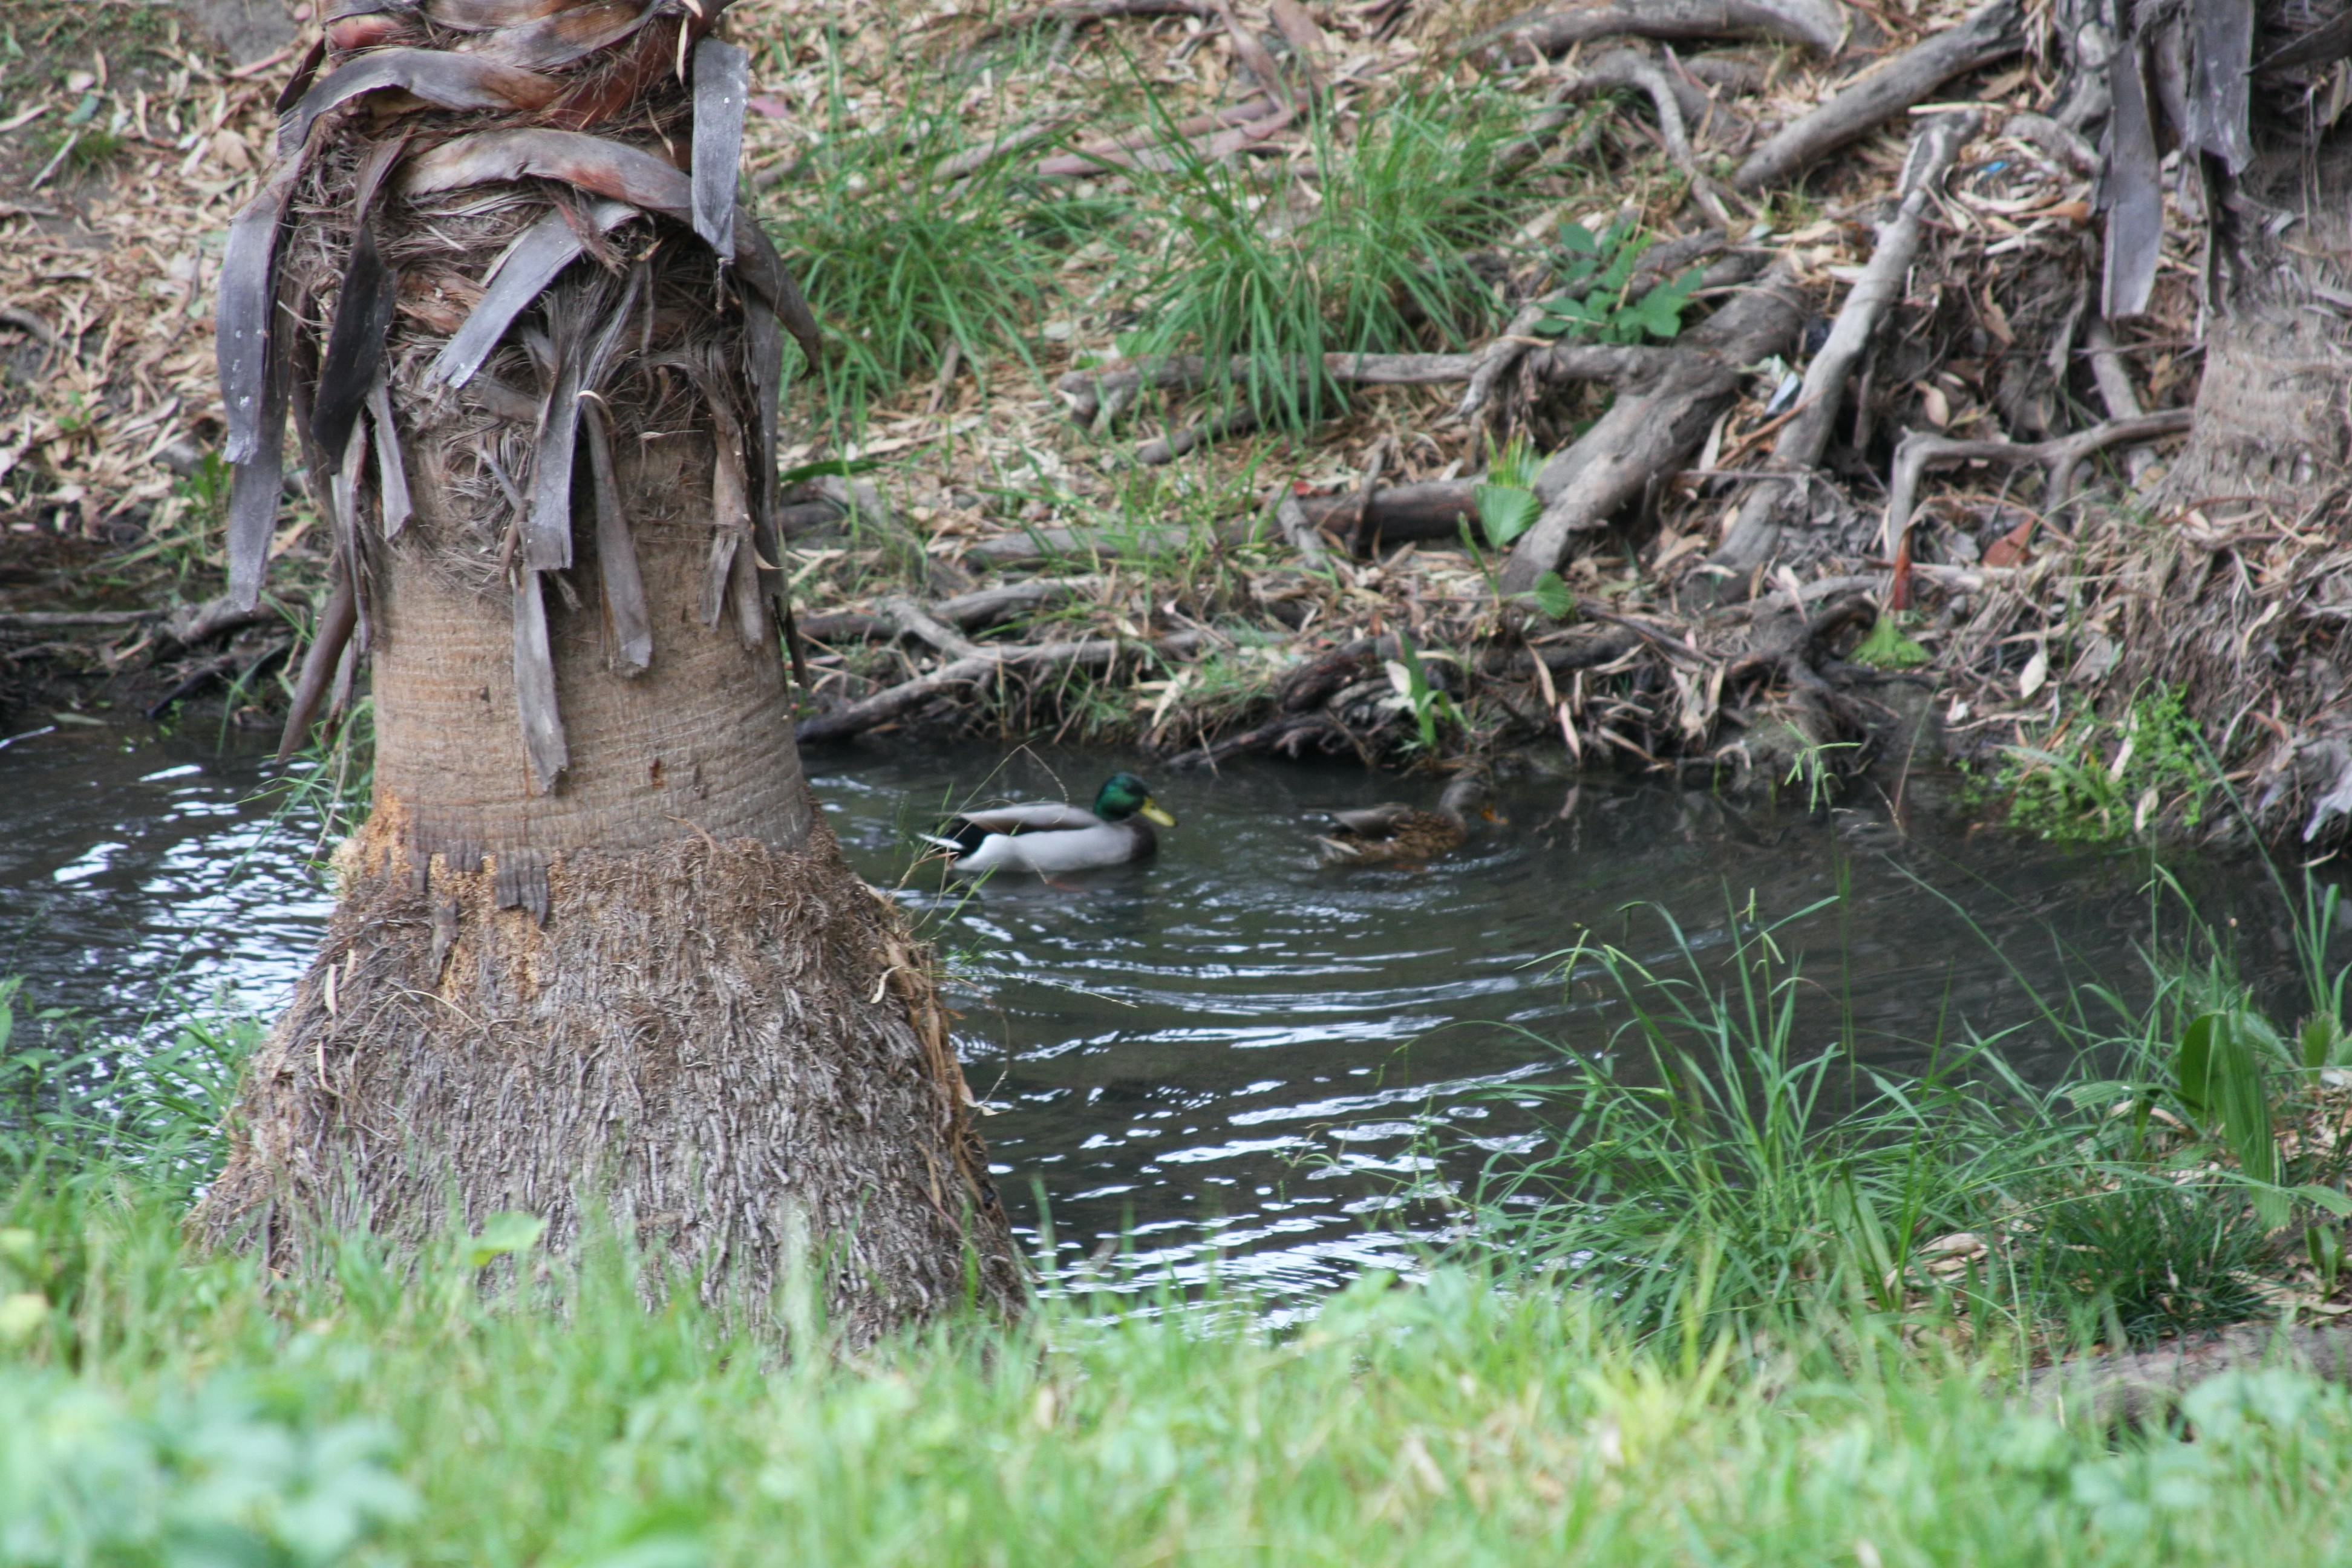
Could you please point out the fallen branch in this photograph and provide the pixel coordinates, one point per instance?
(193, 624)
(1087, 394)
(986, 606)
(1642, 73)
(1397, 515)
(1176, 442)
(2059, 458)
(73, 620)
(973, 160)
(215, 669)
(1993, 33)
(1498, 358)
(1030, 545)
(974, 669)
(1817, 25)
(1093, 396)
(1646, 434)
(967, 612)
(1148, 148)
(1085, 13)
(2116, 391)
(1750, 538)
(1249, 124)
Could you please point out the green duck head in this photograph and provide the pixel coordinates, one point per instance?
(1123, 796)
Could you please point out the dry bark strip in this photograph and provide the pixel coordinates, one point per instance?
(1817, 25)
(1991, 32)
(336, 622)
(1752, 535)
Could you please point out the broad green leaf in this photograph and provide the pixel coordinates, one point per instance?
(2318, 1038)
(1553, 596)
(2219, 1070)
(1505, 512)
(2192, 1065)
(1514, 465)
(503, 1235)
(2327, 1198)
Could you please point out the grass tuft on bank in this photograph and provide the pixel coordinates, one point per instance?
(173, 1410)
(1723, 1161)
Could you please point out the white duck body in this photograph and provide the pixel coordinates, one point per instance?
(1050, 838)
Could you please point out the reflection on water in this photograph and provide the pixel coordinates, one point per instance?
(1225, 1056)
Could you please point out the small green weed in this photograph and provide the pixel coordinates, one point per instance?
(1887, 648)
(78, 149)
(64, 1096)
(2093, 780)
(1508, 503)
(1429, 703)
(1594, 272)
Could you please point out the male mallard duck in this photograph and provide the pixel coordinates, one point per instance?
(1048, 837)
(1391, 834)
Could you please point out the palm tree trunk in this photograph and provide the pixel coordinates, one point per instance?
(594, 949)
(2245, 90)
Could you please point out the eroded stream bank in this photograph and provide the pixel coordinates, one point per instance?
(1226, 1048)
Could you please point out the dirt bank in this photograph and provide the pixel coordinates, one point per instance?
(1742, 392)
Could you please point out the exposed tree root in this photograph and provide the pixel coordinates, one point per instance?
(1808, 23)
(2143, 1387)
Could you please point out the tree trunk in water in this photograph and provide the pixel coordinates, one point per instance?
(595, 951)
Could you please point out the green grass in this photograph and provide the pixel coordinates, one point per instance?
(174, 1410)
(1722, 1162)
(1373, 263)
(166, 1408)
(901, 256)
(1699, 1327)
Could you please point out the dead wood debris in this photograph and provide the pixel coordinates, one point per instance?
(1707, 491)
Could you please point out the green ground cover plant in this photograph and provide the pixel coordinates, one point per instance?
(1716, 1316)
(171, 1410)
(1376, 264)
(2095, 780)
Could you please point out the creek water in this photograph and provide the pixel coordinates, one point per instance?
(1226, 1057)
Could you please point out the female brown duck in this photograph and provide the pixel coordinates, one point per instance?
(1393, 833)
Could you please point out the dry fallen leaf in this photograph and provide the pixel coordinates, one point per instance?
(2037, 673)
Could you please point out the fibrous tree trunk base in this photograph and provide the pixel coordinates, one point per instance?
(735, 1052)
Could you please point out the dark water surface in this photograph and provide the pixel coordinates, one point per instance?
(1227, 1057)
